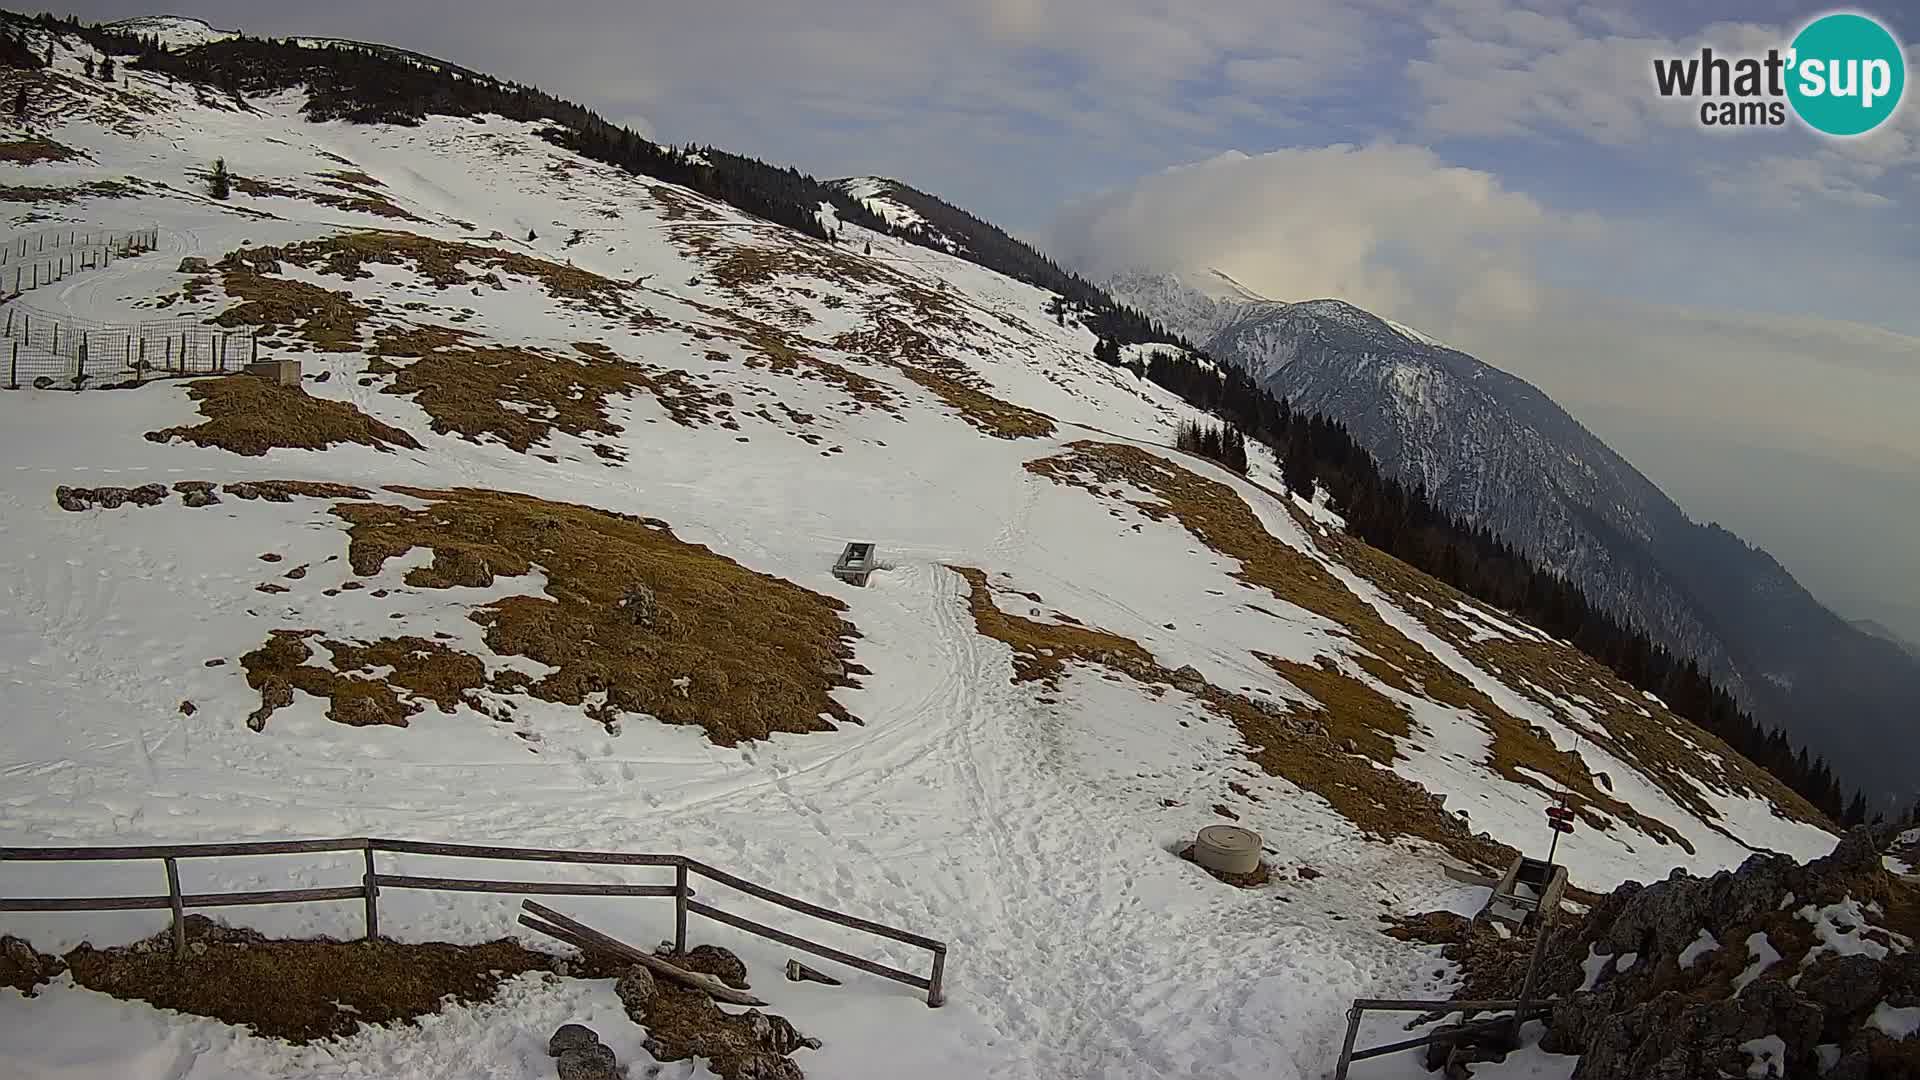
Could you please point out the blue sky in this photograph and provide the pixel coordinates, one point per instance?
(1497, 173)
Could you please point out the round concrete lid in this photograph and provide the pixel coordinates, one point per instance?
(1229, 838)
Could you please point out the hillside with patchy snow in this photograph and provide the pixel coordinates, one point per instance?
(539, 553)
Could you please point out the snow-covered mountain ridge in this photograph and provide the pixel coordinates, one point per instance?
(1495, 450)
(544, 558)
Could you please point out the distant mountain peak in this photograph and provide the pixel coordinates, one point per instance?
(1496, 451)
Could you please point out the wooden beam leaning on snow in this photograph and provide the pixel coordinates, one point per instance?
(586, 939)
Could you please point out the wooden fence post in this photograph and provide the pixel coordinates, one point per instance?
(373, 896)
(680, 908)
(936, 990)
(13, 373)
(179, 914)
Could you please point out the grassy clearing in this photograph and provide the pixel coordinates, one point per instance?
(250, 416)
(1668, 749)
(634, 619)
(521, 396)
(902, 344)
(1219, 518)
(303, 990)
(1375, 799)
(30, 151)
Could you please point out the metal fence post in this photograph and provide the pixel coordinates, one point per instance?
(13, 372)
(680, 908)
(373, 895)
(179, 916)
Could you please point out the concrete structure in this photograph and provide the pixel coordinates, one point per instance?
(856, 563)
(1227, 849)
(284, 372)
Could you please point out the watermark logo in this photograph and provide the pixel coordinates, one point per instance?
(1843, 74)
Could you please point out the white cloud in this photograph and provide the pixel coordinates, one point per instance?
(1387, 225)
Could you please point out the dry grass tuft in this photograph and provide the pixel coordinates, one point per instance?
(250, 416)
(520, 396)
(635, 620)
(32, 150)
(300, 990)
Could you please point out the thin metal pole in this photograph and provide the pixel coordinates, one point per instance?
(13, 372)
(179, 916)
(373, 896)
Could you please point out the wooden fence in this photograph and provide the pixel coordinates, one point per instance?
(372, 881)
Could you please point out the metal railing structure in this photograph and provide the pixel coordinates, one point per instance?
(72, 353)
(372, 881)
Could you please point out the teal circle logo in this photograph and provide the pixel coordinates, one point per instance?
(1846, 74)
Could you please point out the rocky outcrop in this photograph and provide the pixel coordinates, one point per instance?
(1679, 979)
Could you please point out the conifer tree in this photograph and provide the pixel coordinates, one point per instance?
(220, 185)
(106, 69)
(20, 105)
(89, 67)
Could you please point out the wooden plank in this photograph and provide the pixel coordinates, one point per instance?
(587, 938)
(179, 913)
(813, 947)
(538, 888)
(815, 910)
(483, 851)
(85, 903)
(177, 851)
(272, 896)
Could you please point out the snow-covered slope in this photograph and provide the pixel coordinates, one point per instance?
(1085, 645)
(173, 31)
(1495, 450)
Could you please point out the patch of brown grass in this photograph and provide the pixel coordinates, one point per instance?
(250, 416)
(446, 264)
(472, 390)
(361, 200)
(1219, 518)
(31, 150)
(680, 205)
(657, 625)
(300, 990)
(1377, 800)
(426, 669)
(1663, 746)
(328, 320)
(109, 189)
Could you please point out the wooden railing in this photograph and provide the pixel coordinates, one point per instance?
(372, 882)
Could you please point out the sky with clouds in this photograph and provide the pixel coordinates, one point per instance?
(1734, 310)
